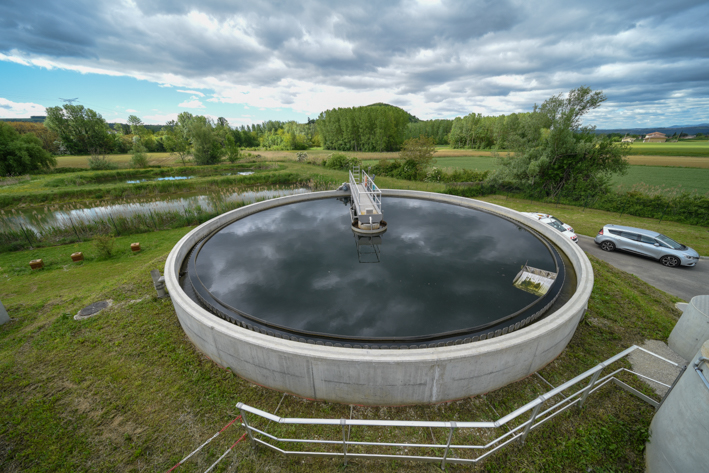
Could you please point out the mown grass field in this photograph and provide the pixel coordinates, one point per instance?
(126, 391)
(690, 148)
(689, 179)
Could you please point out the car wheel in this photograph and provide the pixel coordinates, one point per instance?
(670, 261)
(607, 246)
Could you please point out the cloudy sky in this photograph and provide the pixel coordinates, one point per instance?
(251, 61)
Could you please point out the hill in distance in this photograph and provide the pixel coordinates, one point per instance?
(689, 129)
(412, 118)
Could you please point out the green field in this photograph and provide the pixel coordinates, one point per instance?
(692, 148)
(690, 179)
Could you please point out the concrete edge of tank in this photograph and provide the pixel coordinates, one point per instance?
(380, 377)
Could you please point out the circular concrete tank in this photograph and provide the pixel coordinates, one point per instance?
(680, 427)
(692, 329)
(455, 369)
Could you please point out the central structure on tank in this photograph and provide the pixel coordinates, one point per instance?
(366, 205)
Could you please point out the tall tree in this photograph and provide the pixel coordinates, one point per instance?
(22, 153)
(136, 125)
(207, 150)
(418, 152)
(81, 130)
(177, 141)
(555, 153)
(50, 140)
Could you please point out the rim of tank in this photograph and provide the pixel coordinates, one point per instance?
(535, 311)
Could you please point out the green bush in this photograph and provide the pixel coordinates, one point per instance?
(341, 162)
(139, 160)
(101, 163)
(104, 245)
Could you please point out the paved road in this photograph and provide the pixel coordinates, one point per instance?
(683, 282)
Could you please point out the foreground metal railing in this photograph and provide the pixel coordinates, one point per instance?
(538, 416)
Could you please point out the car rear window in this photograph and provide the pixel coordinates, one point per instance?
(615, 232)
(629, 236)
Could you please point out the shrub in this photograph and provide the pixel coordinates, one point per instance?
(341, 162)
(104, 245)
(101, 163)
(301, 157)
(139, 160)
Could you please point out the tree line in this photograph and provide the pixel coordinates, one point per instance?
(376, 127)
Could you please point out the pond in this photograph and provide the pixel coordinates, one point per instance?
(36, 219)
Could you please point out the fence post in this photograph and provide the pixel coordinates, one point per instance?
(343, 423)
(588, 389)
(246, 424)
(448, 445)
(541, 398)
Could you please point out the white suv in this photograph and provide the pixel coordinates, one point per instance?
(555, 223)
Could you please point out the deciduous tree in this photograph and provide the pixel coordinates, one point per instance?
(554, 152)
(20, 154)
(81, 130)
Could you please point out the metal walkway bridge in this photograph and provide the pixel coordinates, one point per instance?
(366, 200)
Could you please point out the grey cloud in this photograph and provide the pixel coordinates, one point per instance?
(453, 55)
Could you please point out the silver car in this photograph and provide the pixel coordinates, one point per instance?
(646, 243)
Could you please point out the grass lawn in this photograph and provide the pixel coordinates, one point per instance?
(126, 391)
(588, 222)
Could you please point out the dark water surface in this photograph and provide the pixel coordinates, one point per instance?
(438, 268)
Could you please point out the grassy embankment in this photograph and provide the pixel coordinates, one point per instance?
(588, 222)
(126, 391)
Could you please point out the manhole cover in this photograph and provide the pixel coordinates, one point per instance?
(92, 309)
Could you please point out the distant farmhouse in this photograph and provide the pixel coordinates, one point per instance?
(687, 137)
(627, 139)
(655, 137)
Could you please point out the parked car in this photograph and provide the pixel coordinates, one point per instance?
(551, 217)
(647, 243)
(556, 224)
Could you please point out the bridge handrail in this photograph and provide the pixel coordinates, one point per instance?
(370, 189)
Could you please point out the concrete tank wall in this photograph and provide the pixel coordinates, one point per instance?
(380, 377)
(680, 428)
(4, 318)
(692, 329)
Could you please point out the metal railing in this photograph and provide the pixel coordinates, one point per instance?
(538, 416)
(369, 188)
